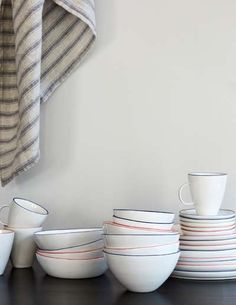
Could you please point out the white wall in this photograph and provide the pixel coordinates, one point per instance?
(156, 98)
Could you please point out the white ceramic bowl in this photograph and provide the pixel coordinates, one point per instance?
(143, 224)
(72, 268)
(142, 273)
(145, 215)
(6, 241)
(71, 254)
(139, 240)
(95, 245)
(151, 250)
(61, 239)
(115, 228)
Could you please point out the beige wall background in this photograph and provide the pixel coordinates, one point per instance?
(155, 99)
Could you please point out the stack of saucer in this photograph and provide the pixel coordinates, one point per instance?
(208, 246)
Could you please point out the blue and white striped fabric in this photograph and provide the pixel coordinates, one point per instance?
(41, 43)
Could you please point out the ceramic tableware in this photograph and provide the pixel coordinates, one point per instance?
(209, 234)
(150, 250)
(6, 241)
(115, 228)
(191, 214)
(61, 239)
(24, 247)
(207, 225)
(143, 273)
(95, 245)
(206, 266)
(205, 275)
(143, 224)
(138, 240)
(72, 268)
(24, 214)
(207, 191)
(207, 237)
(71, 253)
(145, 215)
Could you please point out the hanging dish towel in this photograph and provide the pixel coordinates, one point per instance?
(41, 42)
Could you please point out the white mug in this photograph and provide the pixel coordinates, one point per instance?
(207, 192)
(24, 247)
(24, 213)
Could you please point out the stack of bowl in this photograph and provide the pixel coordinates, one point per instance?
(208, 246)
(24, 219)
(71, 253)
(141, 248)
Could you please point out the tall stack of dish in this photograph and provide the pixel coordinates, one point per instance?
(208, 246)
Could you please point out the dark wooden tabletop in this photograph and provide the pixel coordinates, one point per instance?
(33, 287)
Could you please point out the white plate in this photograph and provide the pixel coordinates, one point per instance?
(207, 229)
(211, 222)
(207, 237)
(220, 242)
(207, 247)
(208, 225)
(203, 278)
(191, 214)
(208, 254)
(206, 266)
(207, 274)
(208, 233)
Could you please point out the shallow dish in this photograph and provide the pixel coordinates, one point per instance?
(211, 222)
(203, 275)
(61, 239)
(207, 247)
(142, 273)
(224, 237)
(207, 254)
(151, 250)
(72, 268)
(138, 240)
(207, 229)
(208, 225)
(208, 233)
(145, 215)
(115, 228)
(217, 242)
(143, 224)
(206, 266)
(191, 214)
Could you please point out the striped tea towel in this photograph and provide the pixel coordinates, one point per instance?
(41, 42)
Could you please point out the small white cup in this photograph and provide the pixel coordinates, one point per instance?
(24, 214)
(24, 247)
(207, 192)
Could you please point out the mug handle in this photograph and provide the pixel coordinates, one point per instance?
(1, 208)
(180, 195)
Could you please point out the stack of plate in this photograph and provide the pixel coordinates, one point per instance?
(208, 246)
